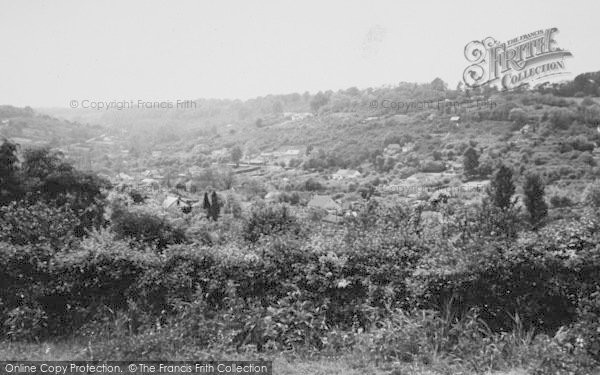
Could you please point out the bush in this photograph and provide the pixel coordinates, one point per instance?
(38, 223)
(268, 220)
(433, 167)
(312, 185)
(580, 143)
(591, 195)
(588, 159)
(558, 201)
(145, 228)
(587, 328)
(25, 323)
(560, 118)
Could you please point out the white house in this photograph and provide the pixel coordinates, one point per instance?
(345, 173)
(124, 177)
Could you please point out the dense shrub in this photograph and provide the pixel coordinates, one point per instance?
(560, 118)
(38, 223)
(580, 143)
(591, 195)
(145, 228)
(539, 278)
(269, 219)
(558, 201)
(433, 167)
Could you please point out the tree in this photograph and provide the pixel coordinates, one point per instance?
(470, 162)
(236, 155)
(215, 206)
(502, 188)
(206, 205)
(534, 199)
(309, 149)
(318, 101)
(518, 115)
(10, 186)
(50, 179)
(438, 84)
(277, 107)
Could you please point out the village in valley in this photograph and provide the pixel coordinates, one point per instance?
(312, 160)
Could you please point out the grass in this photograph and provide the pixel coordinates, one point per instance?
(283, 363)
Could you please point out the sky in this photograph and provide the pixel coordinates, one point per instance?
(57, 51)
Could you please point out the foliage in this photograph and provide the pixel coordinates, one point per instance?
(38, 223)
(269, 219)
(214, 209)
(144, 228)
(9, 180)
(591, 195)
(502, 188)
(236, 154)
(537, 208)
(470, 161)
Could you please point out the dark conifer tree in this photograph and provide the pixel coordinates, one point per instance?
(502, 188)
(215, 206)
(206, 205)
(534, 200)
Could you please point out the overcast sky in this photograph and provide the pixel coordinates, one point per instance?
(56, 51)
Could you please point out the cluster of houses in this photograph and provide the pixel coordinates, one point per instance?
(295, 116)
(272, 157)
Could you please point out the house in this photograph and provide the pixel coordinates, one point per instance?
(272, 196)
(219, 154)
(291, 152)
(151, 174)
(392, 149)
(454, 119)
(325, 202)
(257, 161)
(124, 177)
(151, 183)
(524, 130)
(408, 147)
(297, 116)
(345, 173)
(172, 202)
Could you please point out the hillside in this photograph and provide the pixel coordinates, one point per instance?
(449, 232)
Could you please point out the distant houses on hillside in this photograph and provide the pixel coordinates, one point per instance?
(294, 116)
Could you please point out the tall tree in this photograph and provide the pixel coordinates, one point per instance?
(215, 206)
(502, 188)
(236, 155)
(10, 186)
(534, 200)
(206, 205)
(470, 162)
